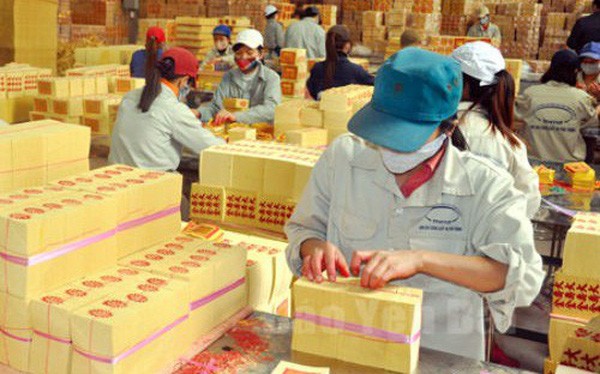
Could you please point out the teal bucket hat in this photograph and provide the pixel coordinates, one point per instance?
(415, 90)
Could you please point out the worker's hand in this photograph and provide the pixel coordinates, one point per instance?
(385, 266)
(594, 90)
(224, 117)
(195, 113)
(319, 255)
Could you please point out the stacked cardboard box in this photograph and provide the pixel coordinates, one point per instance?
(328, 14)
(36, 152)
(109, 70)
(352, 11)
(328, 322)
(556, 31)
(153, 9)
(168, 25)
(29, 32)
(217, 8)
(374, 32)
(251, 183)
(17, 87)
(576, 295)
(332, 114)
(285, 10)
(64, 21)
(396, 21)
(103, 18)
(105, 55)
(520, 24)
(444, 44)
(294, 68)
(252, 9)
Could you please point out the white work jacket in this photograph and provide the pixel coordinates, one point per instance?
(554, 114)
(469, 207)
(482, 141)
(154, 140)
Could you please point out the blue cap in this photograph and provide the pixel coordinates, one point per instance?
(415, 90)
(222, 30)
(591, 50)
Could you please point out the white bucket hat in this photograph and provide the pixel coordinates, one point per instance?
(480, 60)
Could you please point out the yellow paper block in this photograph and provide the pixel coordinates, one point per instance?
(259, 273)
(124, 85)
(207, 202)
(76, 87)
(293, 88)
(294, 72)
(287, 116)
(560, 330)
(336, 119)
(248, 173)
(37, 116)
(575, 296)
(216, 168)
(581, 176)
(55, 87)
(231, 103)
(581, 255)
(101, 85)
(15, 339)
(311, 115)
(240, 206)
(307, 137)
(292, 56)
(550, 366)
(344, 98)
(386, 323)
(71, 106)
(546, 175)
(582, 347)
(273, 212)
(156, 311)
(40, 104)
(239, 133)
(301, 178)
(278, 177)
(16, 109)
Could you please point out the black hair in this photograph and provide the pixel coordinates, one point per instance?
(561, 74)
(498, 100)
(164, 68)
(458, 139)
(337, 37)
(597, 4)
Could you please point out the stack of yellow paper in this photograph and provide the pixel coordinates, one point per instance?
(236, 105)
(213, 272)
(576, 293)
(294, 67)
(17, 85)
(269, 278)
(124, 85)
(51, 313)
(138, 329)
(109, 70)
(252, 183)
(97, 115)
(582, 347)
(581, 176)
(35, 152)
(104, 55)
(346, 322)
(148, 202)
(545, 174)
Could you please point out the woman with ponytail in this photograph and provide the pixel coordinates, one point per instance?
(140, 60)
(153, 124)
(486, 116)
(337, 70)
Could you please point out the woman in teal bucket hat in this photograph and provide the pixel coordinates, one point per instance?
(396, 202)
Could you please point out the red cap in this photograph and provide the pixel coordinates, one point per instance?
(156, 33)
(185, 62)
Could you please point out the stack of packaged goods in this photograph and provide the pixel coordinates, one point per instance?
(310, 123)
(214, 275)
(109, 70)
(217, 8)
(168, 25)
(426, 17)
(396, 22)
(36, 152)
(251, 184)
(240, 131)
(18, 84)
(515, 68)
(267, 273)
(285, 11)
(252, 9)
(556, 31)
(576, 298)
(520, 24)
(329, 315)
(352, 11)
(374, 32)
(194, 8)
(29, 32)
(195, 33)
(105, 55)
(294, 68)
(445, 45)
(455, 16)
(328, 14)
(152, 9)
(64, 21)
(104, 19)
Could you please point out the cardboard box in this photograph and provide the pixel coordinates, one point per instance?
(292, 56)
(294, 72)
(293, 88)
(308, 137)
(581, 255)
(235, 104)
(322, 311)
(561, 328)
(582, 347)
(311, 115)
(241, 133)
(287, 116)
(71, 106)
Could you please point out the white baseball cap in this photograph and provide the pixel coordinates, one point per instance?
(251, 38)
(270, 9)
(480, 60)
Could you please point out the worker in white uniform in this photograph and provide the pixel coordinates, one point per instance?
(274, 36)
(307, 34)
(251, 80)
(484, 28)
(486, 116)
(556, 111)
(588, 78)
(396, 201)
(221, 56)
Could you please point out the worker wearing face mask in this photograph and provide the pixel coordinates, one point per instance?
(397, 201)
(588, 78)
(250, 80)
(222, 54)
(153, 124)
(484, 28)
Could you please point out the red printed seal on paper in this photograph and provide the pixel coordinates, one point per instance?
(52, 300)
(115, 304)
(136, 297)
(100, 313)
(147, 288)
(76, 292)
(179, 269)
(93, 284)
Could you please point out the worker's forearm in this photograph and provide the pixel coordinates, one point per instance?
(480, 274)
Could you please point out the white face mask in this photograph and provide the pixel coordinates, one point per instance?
(221, 45)
(183, 92)
(591, 69)
(400, 163)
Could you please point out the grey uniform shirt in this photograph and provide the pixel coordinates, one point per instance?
(154, 140)
(274, 34)
(554, 114)
(228, 57)
(306, 34)
(264, 94)
(492, 32)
